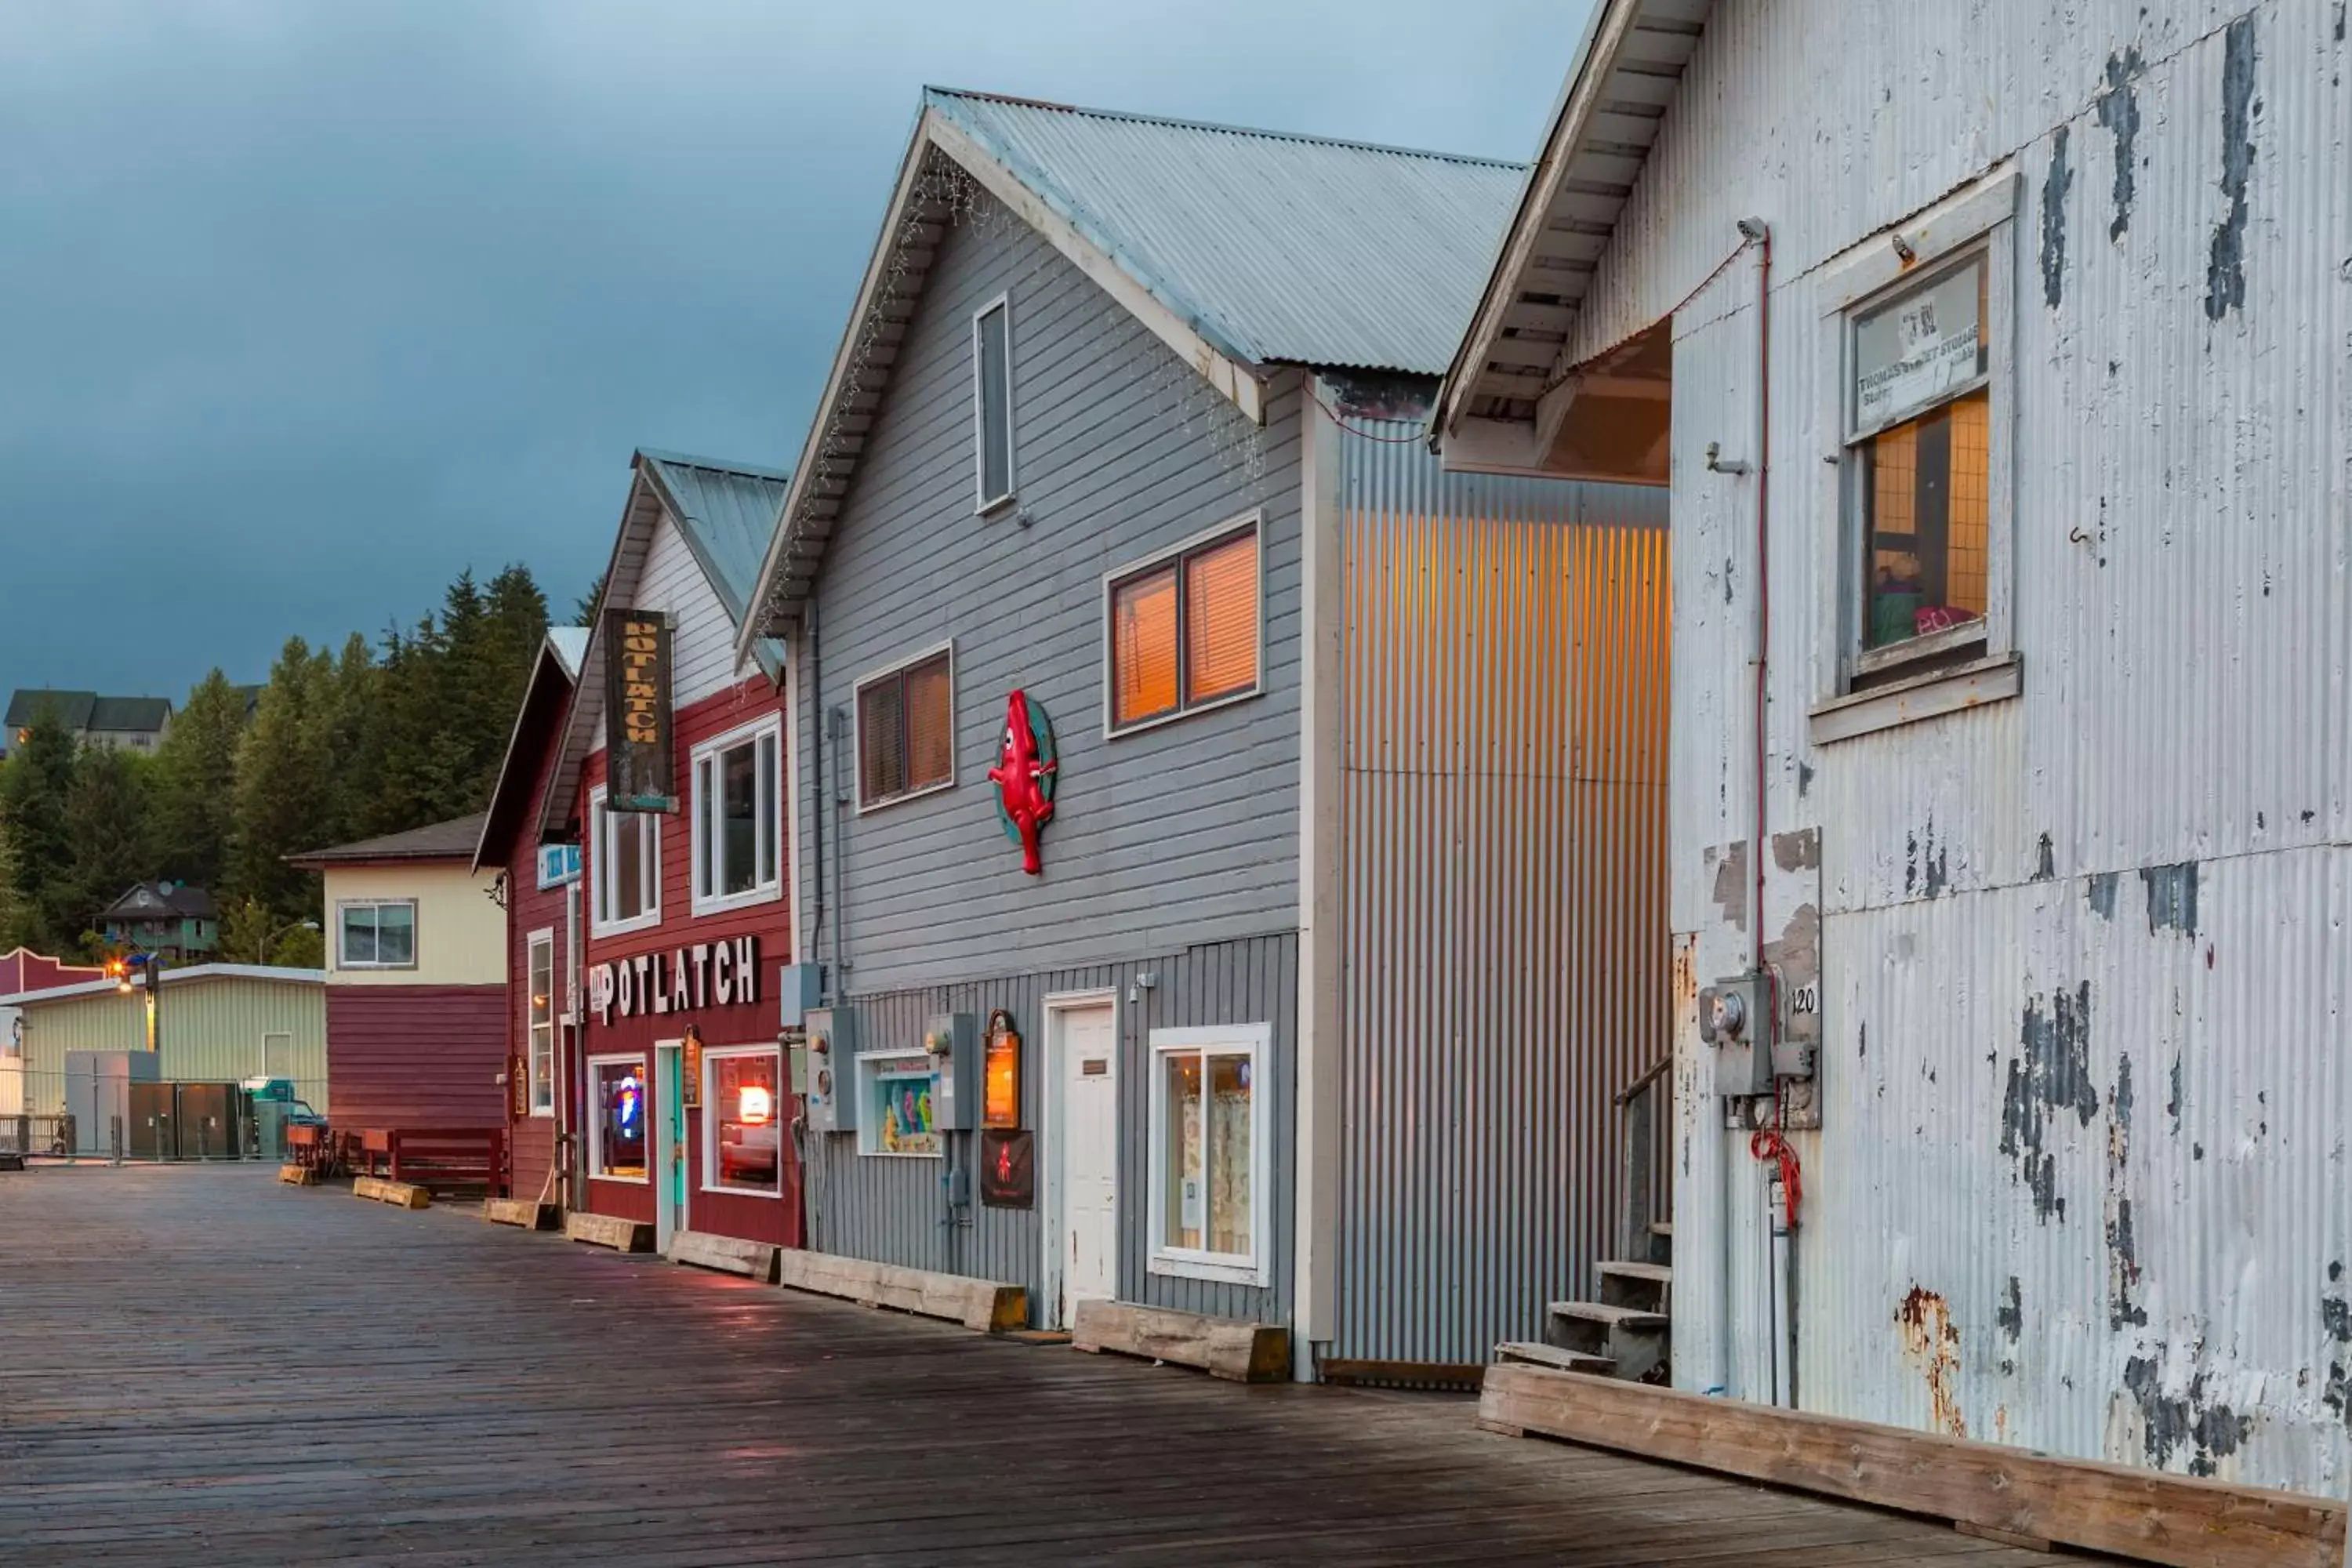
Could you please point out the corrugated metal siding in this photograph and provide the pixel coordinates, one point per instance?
(2183, 593)
(894, 1209)
(417, 1056)
(211, 1033)
(1504, 887)
(1183, 833)
(1280, 249)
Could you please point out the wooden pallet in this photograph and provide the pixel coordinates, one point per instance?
(727, 1253)
(1229, 1348)
(610, 1230)
(524, 1212)
(987, 1306)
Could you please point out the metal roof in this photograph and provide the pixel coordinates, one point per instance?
(727, 512)
(569, 644)
(1279, 249)
(192, 974)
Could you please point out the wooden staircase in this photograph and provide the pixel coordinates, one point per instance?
(1623, 1334)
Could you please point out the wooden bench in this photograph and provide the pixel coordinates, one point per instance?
(727, 1253)
(1230, 1348)
(321, 1151)
(444, 1158)
(987, 1306)
(610, 1230)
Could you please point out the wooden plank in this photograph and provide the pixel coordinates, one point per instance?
(610, 1230)
(298, 1175)
(727, 1253)
(1230, 1348)
(523, 1212)
(985, 1306)
(2145, 1514)
(1466, 1376)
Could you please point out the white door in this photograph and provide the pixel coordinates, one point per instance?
(1089, 1141)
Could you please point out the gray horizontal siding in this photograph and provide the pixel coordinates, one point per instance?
(896, 1211)
(1182, 836)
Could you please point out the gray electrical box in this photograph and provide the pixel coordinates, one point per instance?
(953, 1040)
(1735, 1017)
(832, 1069)
(799, 988)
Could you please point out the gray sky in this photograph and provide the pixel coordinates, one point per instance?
(305, 306)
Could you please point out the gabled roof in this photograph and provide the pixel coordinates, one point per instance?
(726, 512)
(451, 840)
(72, 708)
(149, 900)
(1243, 250)
(1624, 75)
(130, 715)
(569, 645)
(553, 674)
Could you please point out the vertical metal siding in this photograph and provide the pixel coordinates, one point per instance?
(1503, 887)
(211, 1032)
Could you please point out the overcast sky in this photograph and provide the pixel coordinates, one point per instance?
(306, 305)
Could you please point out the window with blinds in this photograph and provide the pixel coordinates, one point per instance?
(905, 730)
(1184, 630)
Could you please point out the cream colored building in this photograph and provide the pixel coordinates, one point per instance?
(214, 1023)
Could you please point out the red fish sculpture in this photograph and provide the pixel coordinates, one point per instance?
(1024, 775)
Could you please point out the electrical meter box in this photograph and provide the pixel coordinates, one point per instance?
(1735, 1017)
(832, 1077)
(798, 988)
(953, 1040)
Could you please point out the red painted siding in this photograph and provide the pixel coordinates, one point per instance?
(753, 1218)
(529, 909)
(417, 1056)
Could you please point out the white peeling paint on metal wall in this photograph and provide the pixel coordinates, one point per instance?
(2183, 593)
(1503, 897)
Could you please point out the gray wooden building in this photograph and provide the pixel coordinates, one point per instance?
(1349, 920)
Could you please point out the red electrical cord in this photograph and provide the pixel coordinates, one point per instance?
(1766, 1143)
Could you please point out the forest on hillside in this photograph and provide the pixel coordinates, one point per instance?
(343, 745)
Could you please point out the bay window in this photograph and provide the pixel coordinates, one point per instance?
(738, 812)
(1209, 1153)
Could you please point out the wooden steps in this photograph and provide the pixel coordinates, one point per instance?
(985, 1306)
(525, 1213)
(1529, 1352)
(1633, 1339)
(726, 1254)
(1230, 1348)
(399, 1195)
(610, 1230)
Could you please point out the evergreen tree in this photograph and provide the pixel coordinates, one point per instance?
(33, 789)
(15, 913)
(193, 800)
(583, 614)
(106, 840)
(285, 800)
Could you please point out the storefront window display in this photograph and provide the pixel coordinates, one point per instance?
(618, 1126)
(742, 1123)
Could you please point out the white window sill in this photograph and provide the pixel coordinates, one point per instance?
(544, 1112)
(646, 921)
(621, 1180)
(1929, 695)
(1232, 1272)
(726, 903)
(742, 1192)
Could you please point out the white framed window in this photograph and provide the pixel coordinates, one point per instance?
(905, 738)
(375, 933)
(626, 855)
(991, 403)
(742, 1120)
(737, 801)
(1922, 323)
(619, 1111)
(1209, 1136)
(541, 1064)
(1182, 630)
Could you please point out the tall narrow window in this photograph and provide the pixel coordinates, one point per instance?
(542, 1066)
(906, 729)
(743, 1144)
(992, 370)
(616, 1119)
(625, 851)
(736, 817)
(1184, 629)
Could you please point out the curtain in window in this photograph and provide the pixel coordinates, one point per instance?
(881, 739)
(1143, 647)
(931, 725)
(1229, 1150)
(1221, 619)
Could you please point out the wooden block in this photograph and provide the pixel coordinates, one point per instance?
(1503, 1427)
(610, 1230)
(2145, 1514)
(524, 1212)
(404, 1194)
(298, 1175)
(1223, 1347)
(727, 1254)
(368, 1187)
(985, 1306)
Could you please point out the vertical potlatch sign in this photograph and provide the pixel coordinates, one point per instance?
(636, 711)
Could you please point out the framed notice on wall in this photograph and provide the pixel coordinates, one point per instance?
(690, 1067)
(1008, 1170)
(638, 765)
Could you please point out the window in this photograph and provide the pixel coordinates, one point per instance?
(278, 1056)
(742, 1120)
(906, 729)
(542, 1066)
(992, 413)
(1184, 630)
(627, 852)
(376, 934)
(737, 812)
(616, 1123)
(1209, 1153)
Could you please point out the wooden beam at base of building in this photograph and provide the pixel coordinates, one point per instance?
(1223, 1347)
(985, 1306)
(527, 1212)
(727, 1253)
(400, 1194)
(610, 1230)
(2144, 1514)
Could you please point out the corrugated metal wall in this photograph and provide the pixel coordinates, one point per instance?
(211, 1033)
(2080, 1183)
(895, 1210)
(1503, 887)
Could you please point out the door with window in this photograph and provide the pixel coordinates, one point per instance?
(669, 1143)
(1085, 1141)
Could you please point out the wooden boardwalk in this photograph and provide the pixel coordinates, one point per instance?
(206, 1366)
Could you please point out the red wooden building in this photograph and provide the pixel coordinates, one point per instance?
(675, 1085)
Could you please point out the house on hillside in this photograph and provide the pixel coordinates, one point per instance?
(169, 918)
(2003, 427)
(1307, 1002)
(673, 1093)
(131, 723)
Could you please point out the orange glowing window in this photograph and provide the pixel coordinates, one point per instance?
(1184, 630)
(743, 1149)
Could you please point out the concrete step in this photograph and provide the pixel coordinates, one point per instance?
(1553, 1356)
